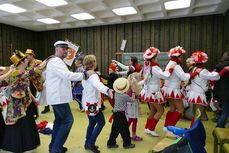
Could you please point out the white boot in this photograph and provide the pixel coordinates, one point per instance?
(147, 131)
(153, 133)
(165, 129)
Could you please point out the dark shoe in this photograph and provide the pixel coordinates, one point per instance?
(64, 150)
(92, 148)
(112, 146)
(46, 110)
(129, 146)
(87, 147)
(103, 107)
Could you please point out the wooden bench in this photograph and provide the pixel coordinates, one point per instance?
(221, 136)
(165, 142)
(226, 148)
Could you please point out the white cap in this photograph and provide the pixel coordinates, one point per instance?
(61, 43)
(2, 68)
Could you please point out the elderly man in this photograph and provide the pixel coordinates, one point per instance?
(59, 95)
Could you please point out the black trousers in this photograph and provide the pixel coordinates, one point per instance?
(119, 125)
(2, 127)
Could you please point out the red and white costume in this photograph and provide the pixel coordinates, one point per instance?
(199, 84)
(152, 72)
(171, 88)
(151, 90)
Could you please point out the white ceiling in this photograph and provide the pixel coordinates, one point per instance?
(102, 11)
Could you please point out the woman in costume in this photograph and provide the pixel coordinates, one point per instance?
(200, 83)
(172, 87)
(151, 92)
(20, 131)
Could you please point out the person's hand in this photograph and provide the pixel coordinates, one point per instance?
(198, 70)
(114, 61)
(36, 102)
(90, 72)
(227, 68)
(12, 67)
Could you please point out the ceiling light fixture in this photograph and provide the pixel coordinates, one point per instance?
(48, 21)
(83, 16)
(53, 3)
(124, 11)
(177, 4)
(11, 8)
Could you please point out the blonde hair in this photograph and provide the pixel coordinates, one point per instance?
(89, 61)
(134, 78)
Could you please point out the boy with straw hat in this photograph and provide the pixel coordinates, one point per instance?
(120, 124)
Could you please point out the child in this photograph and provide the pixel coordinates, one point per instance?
(120, 124)
(132, 111)
(111, 78)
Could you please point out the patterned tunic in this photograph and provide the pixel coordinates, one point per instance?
(17, 95)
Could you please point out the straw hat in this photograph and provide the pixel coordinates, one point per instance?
(30, 51)
(17, 57)
(121, 85)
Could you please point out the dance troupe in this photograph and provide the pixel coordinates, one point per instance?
(148, 83)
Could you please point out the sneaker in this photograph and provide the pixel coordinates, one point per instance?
(129, 146)
(153, 133)
(165, 129)
(46, 110)
(146, 131)
(112, 146)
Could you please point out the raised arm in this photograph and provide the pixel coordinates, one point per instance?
(180, 73)
(205, 74)
(122, 66)
(94, 80)
(58, 67)
(159, 73)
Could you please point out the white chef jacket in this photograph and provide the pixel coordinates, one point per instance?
(58, 82)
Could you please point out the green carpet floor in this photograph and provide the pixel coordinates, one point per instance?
(76, 139)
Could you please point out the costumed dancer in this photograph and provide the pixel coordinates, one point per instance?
(20, 131)
(127, 70)
(172, 86)
(151, 92)
(200, 83)
(36, 83)
(110, 79)
(120, 123)
(91, 89)
(3, 84)
(188, 112)
(77, 85)
(132, 111)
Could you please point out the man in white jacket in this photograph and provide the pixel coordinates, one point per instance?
(58, 92)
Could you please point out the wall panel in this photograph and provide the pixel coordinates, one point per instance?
(208, 33)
